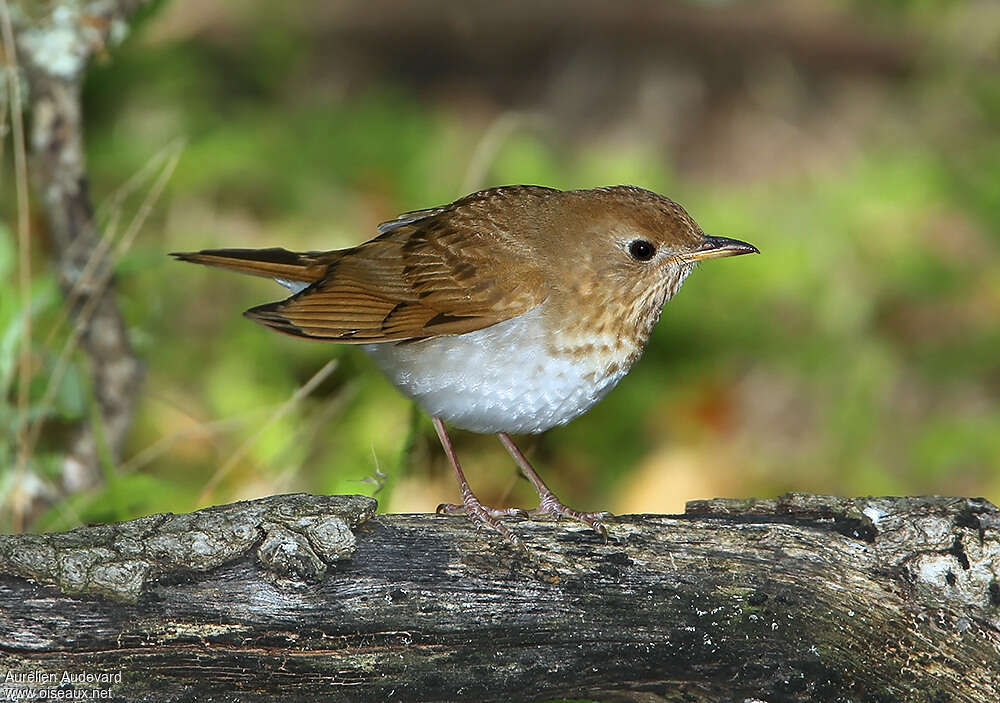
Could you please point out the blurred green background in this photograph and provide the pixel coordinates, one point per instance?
(857, 144)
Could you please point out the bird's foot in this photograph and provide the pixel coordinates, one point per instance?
(550, 505)
(486, 516)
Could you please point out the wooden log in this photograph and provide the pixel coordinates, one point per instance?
(804, 598)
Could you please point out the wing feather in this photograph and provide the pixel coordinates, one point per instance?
(435, 272)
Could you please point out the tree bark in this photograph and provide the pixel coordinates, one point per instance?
(55, 43)
(806, 598)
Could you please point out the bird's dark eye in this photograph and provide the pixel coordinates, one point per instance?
(641, 250)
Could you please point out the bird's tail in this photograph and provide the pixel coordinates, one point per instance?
(276, 263)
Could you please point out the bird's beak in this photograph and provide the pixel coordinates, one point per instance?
(717, 247)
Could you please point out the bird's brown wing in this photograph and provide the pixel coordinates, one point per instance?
(422, 278)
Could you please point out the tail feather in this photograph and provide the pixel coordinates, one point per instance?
(270, 263)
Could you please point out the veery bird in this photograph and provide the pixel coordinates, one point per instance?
(509, 311)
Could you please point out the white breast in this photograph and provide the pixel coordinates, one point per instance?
(499, 379)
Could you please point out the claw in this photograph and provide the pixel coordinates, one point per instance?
(485, 516)
(550, 505)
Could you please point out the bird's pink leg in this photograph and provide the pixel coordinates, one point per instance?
(549, 504)
(471, 506)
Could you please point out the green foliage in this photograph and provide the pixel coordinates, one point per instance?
(857, 354)
(57, 408)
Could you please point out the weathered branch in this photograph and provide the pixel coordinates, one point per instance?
(55, 42)
(806, 598)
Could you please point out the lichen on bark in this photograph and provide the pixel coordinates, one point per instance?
(296, 537)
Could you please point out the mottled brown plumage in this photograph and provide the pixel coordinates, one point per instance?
(512, 309)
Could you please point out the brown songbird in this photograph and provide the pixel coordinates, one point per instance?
(509, 311)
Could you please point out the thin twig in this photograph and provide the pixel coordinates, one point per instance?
(307, 388)
(98, 254)
(307, 435)
(94, 299)
(4, 105)
(134, 182)
(24, 260)
(146, 456)
(489, 145)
